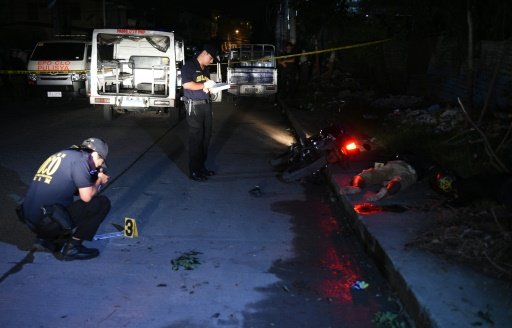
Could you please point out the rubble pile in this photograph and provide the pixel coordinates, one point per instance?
(434, 118)
(478, 235)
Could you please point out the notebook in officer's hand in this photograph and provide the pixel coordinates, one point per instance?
(219, 87)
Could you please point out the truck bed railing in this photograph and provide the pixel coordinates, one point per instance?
(138, 74)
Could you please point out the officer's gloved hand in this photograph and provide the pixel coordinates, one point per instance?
(209, 84)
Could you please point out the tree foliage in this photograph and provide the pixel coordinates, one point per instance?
(406, 17)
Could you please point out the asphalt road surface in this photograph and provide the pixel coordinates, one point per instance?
(268, 253)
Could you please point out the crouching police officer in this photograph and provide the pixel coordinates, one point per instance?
(50, 209)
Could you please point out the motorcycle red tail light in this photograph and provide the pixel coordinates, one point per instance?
(349, 147)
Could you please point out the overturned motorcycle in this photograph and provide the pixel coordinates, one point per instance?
(332, 145)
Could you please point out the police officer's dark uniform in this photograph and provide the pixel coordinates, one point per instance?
(199, 114)
(288, 67)
(50, 209)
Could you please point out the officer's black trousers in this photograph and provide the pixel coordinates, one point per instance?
(88, 216)
(199, 120)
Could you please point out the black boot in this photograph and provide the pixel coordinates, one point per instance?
(47, 245)
(73, 251)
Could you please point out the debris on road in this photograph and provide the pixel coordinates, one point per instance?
(187, 261)
(256, 191)
(360, 284)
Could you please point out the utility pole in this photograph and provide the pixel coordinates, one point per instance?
(286, 24)
(104, 11)
(292, 15)
(54, 7)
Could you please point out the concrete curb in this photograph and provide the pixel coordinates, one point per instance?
(414, 309)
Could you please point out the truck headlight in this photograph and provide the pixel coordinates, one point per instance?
(78, 77)
(32, 77)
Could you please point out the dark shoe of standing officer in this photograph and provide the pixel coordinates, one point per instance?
(74, 250)
(208, 173)
(197, 176)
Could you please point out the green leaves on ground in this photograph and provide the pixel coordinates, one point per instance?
(187, 261)
(388, 320)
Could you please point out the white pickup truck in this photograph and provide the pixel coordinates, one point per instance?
(252, 71)
(134, 70)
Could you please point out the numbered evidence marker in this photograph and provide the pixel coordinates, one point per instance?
(130, 228)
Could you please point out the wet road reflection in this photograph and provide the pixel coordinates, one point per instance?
(331, 265)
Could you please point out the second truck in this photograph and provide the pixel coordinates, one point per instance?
(252, 71)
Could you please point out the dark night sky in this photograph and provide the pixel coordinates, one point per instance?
(255, 12)
(235, 8)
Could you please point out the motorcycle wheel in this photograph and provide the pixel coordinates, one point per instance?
(333, 156)
(282, 159)
(303, 169)
(339, 158)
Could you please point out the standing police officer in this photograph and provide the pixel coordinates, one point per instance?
(196, 81)
(288, 71)
(50, 210)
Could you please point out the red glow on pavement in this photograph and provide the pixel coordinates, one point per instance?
(341, 276)
(367, 208)
(328, 226)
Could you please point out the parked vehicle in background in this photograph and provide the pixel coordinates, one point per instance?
(252, 71)
(60, 68)
(216, 75)
(136, 70)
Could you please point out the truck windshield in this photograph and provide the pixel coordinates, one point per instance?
(58, 51)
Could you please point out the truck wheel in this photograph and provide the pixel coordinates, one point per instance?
(108, 113)
(183, 111)
(272, 99)
(173, 115)
(177, 113)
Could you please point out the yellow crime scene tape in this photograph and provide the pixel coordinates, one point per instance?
(352, 46)
(42, 72)
(358, 45)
